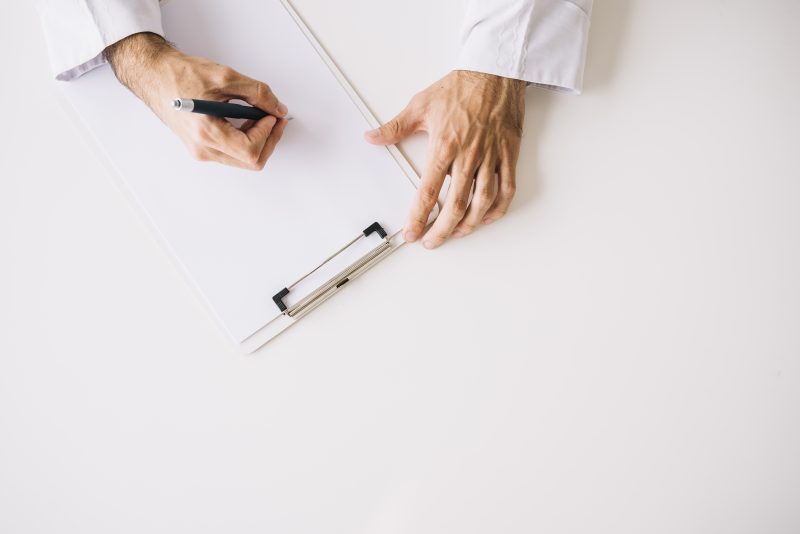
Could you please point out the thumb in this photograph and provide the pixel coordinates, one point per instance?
(393, 131)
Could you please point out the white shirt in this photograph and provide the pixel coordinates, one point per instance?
(540, 41)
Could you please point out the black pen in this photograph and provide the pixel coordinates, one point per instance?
(220, 109)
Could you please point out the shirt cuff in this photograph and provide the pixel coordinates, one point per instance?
(78, 31)
(542, 42)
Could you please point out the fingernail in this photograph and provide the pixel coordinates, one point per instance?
(428, 244)
(373, 133)
(458, 234)
(488, 220)
(410, 236)
(282, 109)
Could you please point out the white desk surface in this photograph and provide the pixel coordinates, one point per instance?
(621, 354)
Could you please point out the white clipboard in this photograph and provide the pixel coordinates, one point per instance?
(263, 249)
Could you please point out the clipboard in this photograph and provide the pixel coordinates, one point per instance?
(263, 249)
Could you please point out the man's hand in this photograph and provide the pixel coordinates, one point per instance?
(157, 73)
(474, 122)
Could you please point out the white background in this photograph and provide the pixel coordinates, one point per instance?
(620, 354)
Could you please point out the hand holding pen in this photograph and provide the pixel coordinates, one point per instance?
(167, 73)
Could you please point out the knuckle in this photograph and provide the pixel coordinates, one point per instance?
(460, 205)
(198, 153)
(263, 91)
(392, 128)
(483, 197)
(225, 75)
(204, 135)
(511, 136)
(252, 156)
(428, 195)
(419, 221)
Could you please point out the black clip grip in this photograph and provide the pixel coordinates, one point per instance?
(278, 298)
(375, 227)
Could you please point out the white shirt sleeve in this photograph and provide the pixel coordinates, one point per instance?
(77, 31)
(540, 41)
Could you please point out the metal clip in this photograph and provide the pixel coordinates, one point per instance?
(330, 287)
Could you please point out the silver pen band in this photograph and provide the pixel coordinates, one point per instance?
(183, 104)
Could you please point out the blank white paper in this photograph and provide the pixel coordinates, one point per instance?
(240, 235)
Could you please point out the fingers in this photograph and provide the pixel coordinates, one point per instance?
(257, 136)
(397, 129)
(210, 154)
(428, 193)
(254, 92)
(483, 197)
(249, 149)
(455, 206)
(506, 191)
(222, 136)
(275, 135)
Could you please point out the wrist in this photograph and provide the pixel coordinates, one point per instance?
(137, 61)
(499, 83)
